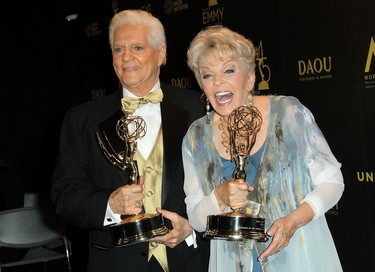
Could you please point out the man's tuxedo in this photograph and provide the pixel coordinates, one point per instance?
(84, 178)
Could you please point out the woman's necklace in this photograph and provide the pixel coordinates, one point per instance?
(225, 139)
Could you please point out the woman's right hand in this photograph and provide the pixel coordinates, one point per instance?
(232, 194)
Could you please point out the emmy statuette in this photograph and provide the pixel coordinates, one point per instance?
(134, 228)
(244, 124)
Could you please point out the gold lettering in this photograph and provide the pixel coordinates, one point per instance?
(334, 210)
(221, 11)
(360, 178)
(308, 78)
(370, 77)
(301, 67)
(96, 94)
(326, 68)
(370, 177)
(204, 18)
(365, 176)
(310, 68)
(318, 66)
(93, 30)
(210, 16)
(185, 82)
(315, 66)
(325, 76)
(181, 7)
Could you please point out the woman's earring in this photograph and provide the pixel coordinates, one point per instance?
(207, 111)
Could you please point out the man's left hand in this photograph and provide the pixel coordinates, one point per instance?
(180, 231)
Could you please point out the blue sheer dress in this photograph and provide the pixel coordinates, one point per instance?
(296, 166)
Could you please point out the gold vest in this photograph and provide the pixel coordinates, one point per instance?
(152, 170)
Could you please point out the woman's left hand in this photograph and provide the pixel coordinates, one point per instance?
(281, 232)
(282, 229)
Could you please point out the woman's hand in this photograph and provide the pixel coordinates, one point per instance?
(281, 232)
(282, 229)
(232, 194)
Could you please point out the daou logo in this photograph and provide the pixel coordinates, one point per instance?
(315, 66)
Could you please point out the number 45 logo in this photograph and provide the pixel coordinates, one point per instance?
(264, 69)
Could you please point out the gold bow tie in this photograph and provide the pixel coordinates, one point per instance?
(130, 104)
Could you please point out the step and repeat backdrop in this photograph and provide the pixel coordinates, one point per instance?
(322, 52)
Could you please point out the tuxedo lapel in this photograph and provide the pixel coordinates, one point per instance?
(107, 135)
(108, 129)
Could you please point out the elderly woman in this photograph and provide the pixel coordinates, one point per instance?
(292, 172)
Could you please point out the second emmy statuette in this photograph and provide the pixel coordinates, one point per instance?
(244, 124)
(134, 228)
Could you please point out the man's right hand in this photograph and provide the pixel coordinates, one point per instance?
(127, 200)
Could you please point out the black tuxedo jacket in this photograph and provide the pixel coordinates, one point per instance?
(84, 178)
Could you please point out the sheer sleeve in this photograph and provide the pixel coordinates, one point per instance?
(327, 179)
(199, 205)
(304, 168)
(329, 188)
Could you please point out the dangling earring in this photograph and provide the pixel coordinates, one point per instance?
(207, 111)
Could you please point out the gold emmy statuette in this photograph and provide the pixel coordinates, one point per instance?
(134, 228)
(244, 124)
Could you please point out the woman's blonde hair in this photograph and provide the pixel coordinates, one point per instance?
(220, 40)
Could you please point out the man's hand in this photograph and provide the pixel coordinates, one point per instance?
(127, 200)
(180, 231)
